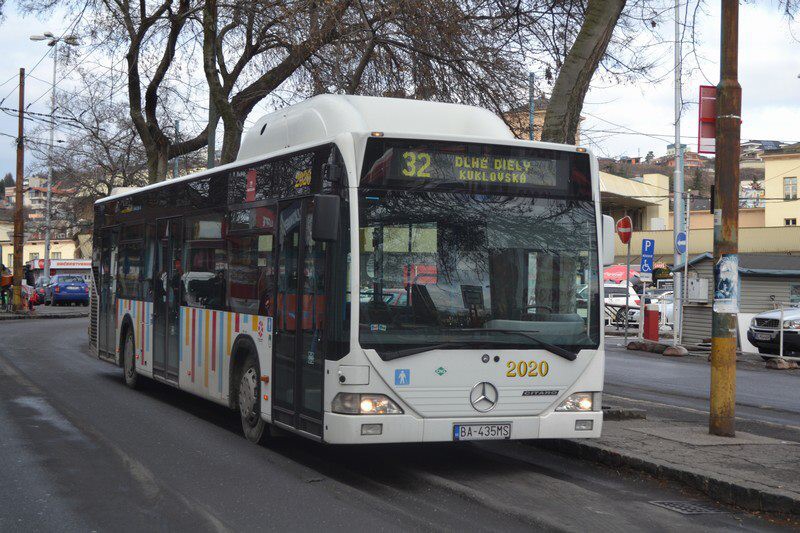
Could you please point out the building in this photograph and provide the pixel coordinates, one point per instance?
(781, 172)
(753, 149)
(518, 119)
(765, 281)
(645, 199)
(34, 249)
(690, 160)
(671, 149)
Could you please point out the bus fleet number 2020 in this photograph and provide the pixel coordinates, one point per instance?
(523, 369)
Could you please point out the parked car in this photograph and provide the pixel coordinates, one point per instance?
(69, 289)
(615, 299)
(764, 332)
(43, 292)
(666, 308)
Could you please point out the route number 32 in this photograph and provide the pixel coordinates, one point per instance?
(417, 164)
(521, 369)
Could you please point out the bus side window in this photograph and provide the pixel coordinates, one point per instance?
(205, 262)
(148, 264)
(250, 242)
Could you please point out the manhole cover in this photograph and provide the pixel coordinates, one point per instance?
(688, 507)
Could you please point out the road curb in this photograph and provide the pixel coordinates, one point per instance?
(749, 497)
(31, 317)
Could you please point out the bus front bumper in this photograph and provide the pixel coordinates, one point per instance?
(351, 429)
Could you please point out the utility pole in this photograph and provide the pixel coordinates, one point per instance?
(19, 226)
(53, 42)
(48, 201)
(531, 79)
(726, 230)
(677, 180)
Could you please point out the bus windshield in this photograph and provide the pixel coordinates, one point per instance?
(439, 268)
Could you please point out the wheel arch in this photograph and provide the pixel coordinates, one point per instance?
(125, 325)
(243, 346)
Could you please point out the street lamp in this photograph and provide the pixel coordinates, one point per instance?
(52, 41)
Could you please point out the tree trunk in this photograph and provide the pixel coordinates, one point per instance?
(231, 140)
(157, 162)
(564, 109)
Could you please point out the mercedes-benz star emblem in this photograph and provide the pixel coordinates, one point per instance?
(483, 396)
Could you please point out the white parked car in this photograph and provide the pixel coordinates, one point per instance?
(666, 306)
(615, 300)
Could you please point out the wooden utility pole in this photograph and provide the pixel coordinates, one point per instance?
(19, 226)
(726, 230)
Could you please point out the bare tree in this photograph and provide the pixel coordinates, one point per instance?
(97, 149)
(273, 38)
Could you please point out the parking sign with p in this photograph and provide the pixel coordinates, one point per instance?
(646, 266)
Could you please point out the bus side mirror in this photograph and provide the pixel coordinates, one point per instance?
(608, 240)
(325, 224)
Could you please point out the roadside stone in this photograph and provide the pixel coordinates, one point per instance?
(675, 351)
(779, 363)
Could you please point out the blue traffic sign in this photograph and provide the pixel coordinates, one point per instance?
(648, 251)
(680, 243)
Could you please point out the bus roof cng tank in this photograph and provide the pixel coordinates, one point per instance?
(328, 115)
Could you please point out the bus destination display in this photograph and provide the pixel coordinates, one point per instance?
(487, 169)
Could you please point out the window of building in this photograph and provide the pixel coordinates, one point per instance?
(10, 260)
(789, 221)
(794, 293)
(790, 188)
(55, 255)
(33, 256)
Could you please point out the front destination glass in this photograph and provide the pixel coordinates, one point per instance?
(452, 259)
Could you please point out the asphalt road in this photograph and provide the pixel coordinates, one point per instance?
(762, 395)
(81, 452)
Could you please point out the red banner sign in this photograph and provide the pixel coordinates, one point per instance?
(707, 120)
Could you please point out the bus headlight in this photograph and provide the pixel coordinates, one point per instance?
(579, 401)
(351, 403)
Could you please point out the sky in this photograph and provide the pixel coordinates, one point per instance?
(620, 119)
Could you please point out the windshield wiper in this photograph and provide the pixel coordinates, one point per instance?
(558, 350)
(397, 354)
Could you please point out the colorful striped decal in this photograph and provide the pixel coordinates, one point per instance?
(208, 336)
(141, 317)
(204, 339)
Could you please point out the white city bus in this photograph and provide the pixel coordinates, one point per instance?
(368, 270)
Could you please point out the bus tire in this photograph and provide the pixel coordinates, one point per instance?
(129, 361)
(249, 392)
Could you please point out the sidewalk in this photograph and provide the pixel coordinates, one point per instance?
(48, 311)
(754, 472)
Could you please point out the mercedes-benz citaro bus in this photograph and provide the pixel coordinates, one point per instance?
(369, 270)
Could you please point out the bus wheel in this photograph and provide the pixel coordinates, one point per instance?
(253, 425)
(128, 362)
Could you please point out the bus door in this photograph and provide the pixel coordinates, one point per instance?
(107, 292)
(298, 358)
(167, 297)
